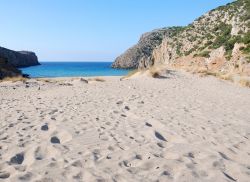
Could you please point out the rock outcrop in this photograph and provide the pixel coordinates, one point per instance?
(218, 40)
(19, 58)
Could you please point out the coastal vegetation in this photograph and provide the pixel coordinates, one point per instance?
(226, 27)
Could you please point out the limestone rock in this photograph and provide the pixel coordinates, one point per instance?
(139, 55)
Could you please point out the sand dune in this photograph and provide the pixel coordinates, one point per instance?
(181, 128)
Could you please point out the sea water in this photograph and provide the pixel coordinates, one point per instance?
(73, 69)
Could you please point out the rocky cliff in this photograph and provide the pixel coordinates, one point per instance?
(142, 51)
(19, 59)
(10, 61)
(218, 40)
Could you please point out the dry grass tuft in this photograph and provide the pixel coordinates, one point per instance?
(84, 80)
(158, 72)
(244, 82)
(223, 76)
(210, 73)
(200, 71)
(14, 79)
(130, 74)
(46, 80)
(204, 72)
(228, 77)
(155, 72)
(156, 75)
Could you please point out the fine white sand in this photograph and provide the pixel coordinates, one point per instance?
(178, 128)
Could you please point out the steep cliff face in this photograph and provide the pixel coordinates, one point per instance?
(19, 59)
(133, 57)
(219, 40)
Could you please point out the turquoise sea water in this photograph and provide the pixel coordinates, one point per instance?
(73, 69)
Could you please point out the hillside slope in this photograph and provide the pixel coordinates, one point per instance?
(217, 41)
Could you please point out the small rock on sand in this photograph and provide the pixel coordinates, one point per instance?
(55, 140)
(45, 127)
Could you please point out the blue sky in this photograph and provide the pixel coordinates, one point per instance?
(90, 30)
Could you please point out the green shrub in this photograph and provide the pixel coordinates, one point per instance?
(246, 50)
(176, 30)
(247, 8)
(229, 45)
(246, 38)
(191, 51)
(223, 37)
(178, 49)
(208, 43)
(203, 54)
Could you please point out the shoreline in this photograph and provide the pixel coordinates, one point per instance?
(76, 69)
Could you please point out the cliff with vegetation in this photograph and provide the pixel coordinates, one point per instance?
(7, 70)
(10, 61)
(218, 41)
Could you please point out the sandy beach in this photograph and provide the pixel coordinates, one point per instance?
(180, 128)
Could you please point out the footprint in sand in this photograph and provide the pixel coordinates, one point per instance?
(4, 175)
(119, 102)
(127, 108)
(38, 154)
(148, 124)
(138, 156)
(166, 173)
(229, 177)
(224, 156)
(53, 111)
(161, 145)
(77, 163)
(159, 136)
(17, 159)
(26, 177)
(123, 115)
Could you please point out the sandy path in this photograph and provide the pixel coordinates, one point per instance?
(183, 128)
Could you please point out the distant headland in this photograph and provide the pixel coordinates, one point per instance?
(11, 60)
